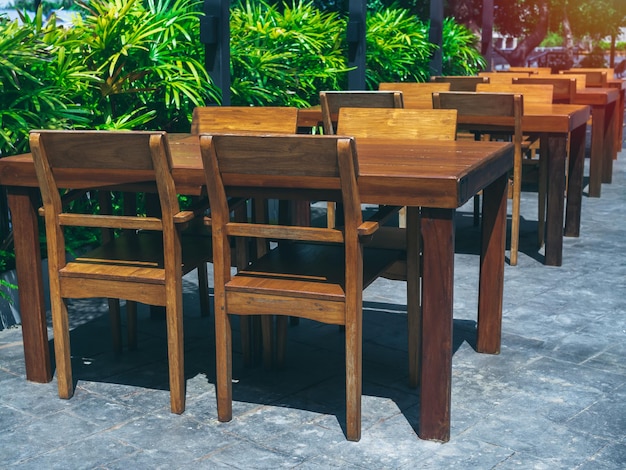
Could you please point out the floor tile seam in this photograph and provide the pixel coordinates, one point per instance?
(244, 439)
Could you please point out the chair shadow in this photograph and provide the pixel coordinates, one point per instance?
(312, 381)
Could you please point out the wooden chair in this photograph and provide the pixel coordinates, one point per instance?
(280, 119)
(145, 263)
(253, 119)
(505, 78)
(532, 70)
(531, 145)
(402, 124)
(331, 101)
(461, 82)
(314, 273)
(496, 112)
(416, 95)
(592, 78)
(563, 88)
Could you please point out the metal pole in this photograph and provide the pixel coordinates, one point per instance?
(215, 35)
(435, 36)
(487, 34)
(355, 34)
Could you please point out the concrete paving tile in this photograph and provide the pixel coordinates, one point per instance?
(605, 418)
(538, 437)
(252, 455)
(168, 435)
(79, 455)
(611, 457)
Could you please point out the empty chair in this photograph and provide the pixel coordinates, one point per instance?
(493, 112)
(532, 70)
(416, 94)
(563, 87)
(332, 101)
(533, 94)
(145, 263)
(313, 273)
(281, 119)
(253, 119)
(402, 124)
(504, 77)
(593, 78)
(460, 82)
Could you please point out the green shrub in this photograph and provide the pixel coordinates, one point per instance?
(397, 48)
(460, 50)
(283, 57)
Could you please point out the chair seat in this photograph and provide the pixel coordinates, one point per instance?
(137, 256)
(309, 270)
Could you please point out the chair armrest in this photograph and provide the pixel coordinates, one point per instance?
(373, 223)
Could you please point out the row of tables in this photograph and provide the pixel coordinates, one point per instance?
(437, 178)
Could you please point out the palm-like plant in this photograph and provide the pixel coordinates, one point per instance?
(460, 50)
(397, 48)
(284, 57)
(147, 61)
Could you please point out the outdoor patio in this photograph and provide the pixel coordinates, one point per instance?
(555, 398)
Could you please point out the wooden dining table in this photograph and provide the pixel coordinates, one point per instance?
(604, 103)
(563, 128)
(433, 178)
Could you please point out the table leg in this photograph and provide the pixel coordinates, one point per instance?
(491, 284)
(437, 227)
(575, 182)
(557, 151)
(22, 203)
(597, 152)
(610, 151)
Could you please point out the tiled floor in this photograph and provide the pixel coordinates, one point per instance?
(555, 398)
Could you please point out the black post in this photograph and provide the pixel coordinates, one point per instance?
(357, 10)
(486, 41)
(435, 36)
(215, 35)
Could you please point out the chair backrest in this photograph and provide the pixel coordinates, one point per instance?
(416, 95)
(332, 101)
(485, 112)
(424, 124)
(460, 82)
(593, 78)
(302, 166)
(504, 77)
(532, 70)
(610, 73)
(86, 154)
(278, 119)
(563, 87)
(539, 94)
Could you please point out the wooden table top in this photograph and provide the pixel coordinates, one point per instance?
(429, 174)
(557, 118)
(596, 96)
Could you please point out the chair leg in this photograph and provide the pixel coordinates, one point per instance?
(203, 290)
(542, 191)
(281, 340)
(330, 214)
(268, 340)
(224, 364)
(116, 324)
(131, 321)
(60, 326)
(175, 353)
(353, 381)
(515, 219)
(476, 210)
